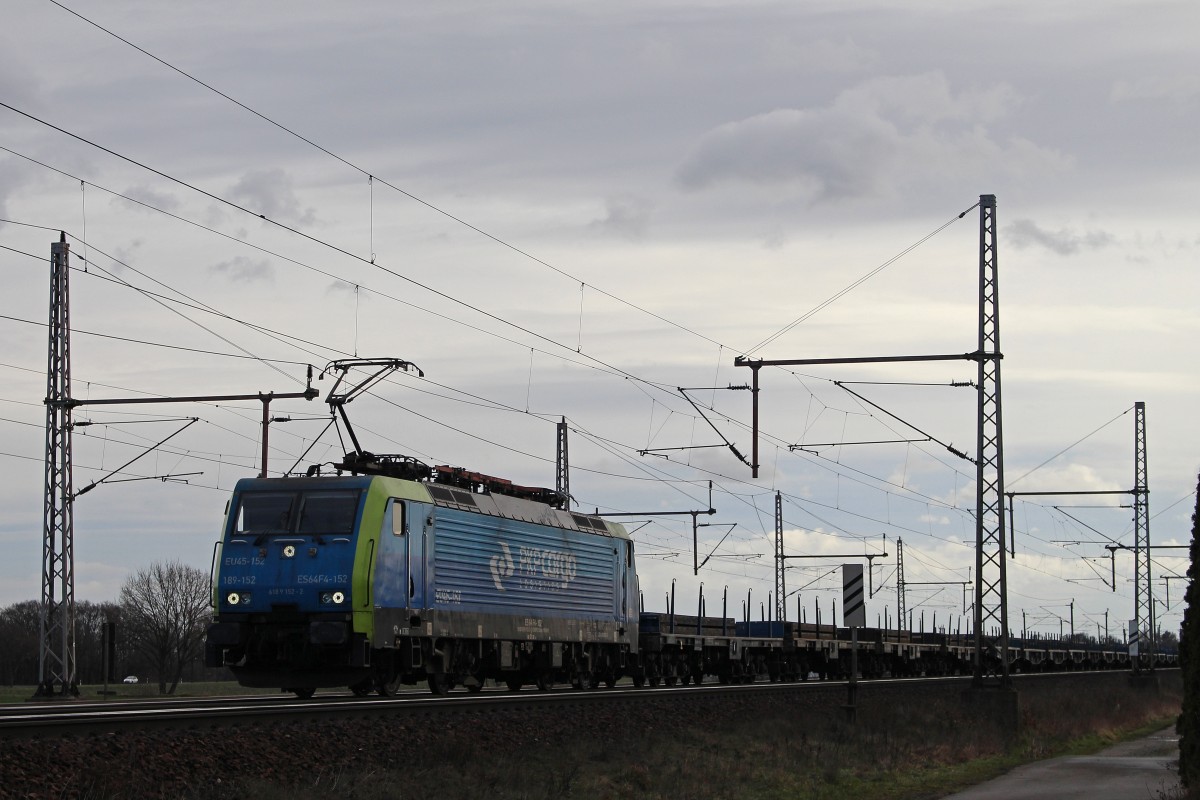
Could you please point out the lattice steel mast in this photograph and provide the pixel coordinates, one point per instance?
(991, 587)
(56, 627)
(1143, 597)
(901, 619)
(780, 561)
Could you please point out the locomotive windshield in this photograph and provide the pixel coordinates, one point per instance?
(311, 513)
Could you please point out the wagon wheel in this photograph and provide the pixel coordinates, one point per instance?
(439, 684)
(304, 693)
(544, 681)
(513, 682)
(389, 686)
(363, 687)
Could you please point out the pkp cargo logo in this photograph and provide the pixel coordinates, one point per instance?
(536, 569)
(502, 566)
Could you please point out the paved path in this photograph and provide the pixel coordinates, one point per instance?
(1143, 769)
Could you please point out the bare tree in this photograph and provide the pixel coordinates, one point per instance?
(165, 610)
(19, 643)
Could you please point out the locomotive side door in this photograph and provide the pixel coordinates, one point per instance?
(618, 589)
(392, 572)
(420, 527)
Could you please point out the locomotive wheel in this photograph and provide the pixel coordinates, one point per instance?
(438, 683)
(305, 693)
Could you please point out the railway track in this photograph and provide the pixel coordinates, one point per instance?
(51, 719)
(57, 719)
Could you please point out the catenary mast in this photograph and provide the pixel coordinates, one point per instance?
(56, 629)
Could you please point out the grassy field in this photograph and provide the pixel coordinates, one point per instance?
(833, 762)
(914, 748)
(136, 691)
(908, 750)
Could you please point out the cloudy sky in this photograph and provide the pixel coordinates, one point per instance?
(573, 209)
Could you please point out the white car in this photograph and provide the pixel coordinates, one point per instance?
(130, 679)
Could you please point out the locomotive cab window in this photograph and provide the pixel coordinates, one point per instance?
(313, 513)
(264, 512)
(328, 512)
(397, 509)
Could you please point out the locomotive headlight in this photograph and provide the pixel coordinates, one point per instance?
(289, 551)
(338, 597)
(233, 598)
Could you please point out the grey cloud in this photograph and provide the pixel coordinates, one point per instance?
(1179, 88)
(127, 253)
(151, 197)
(13, 176)
(20, 84)
(1023, 233)
(873, 139)
(339, 287)
(796, 52)
(242, 270)
(270, 192)
(626, 216)
(832, 152)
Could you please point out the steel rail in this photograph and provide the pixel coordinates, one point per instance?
(71, 719)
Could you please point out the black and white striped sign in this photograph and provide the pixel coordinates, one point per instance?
(854, 599)
(1134, 638)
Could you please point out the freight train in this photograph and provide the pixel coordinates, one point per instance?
(400, 573)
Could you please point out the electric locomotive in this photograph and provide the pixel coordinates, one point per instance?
(402, 573)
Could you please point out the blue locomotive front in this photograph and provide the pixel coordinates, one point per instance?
(285, 585)
(373, 582)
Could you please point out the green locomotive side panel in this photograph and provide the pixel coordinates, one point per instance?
(366, 555)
